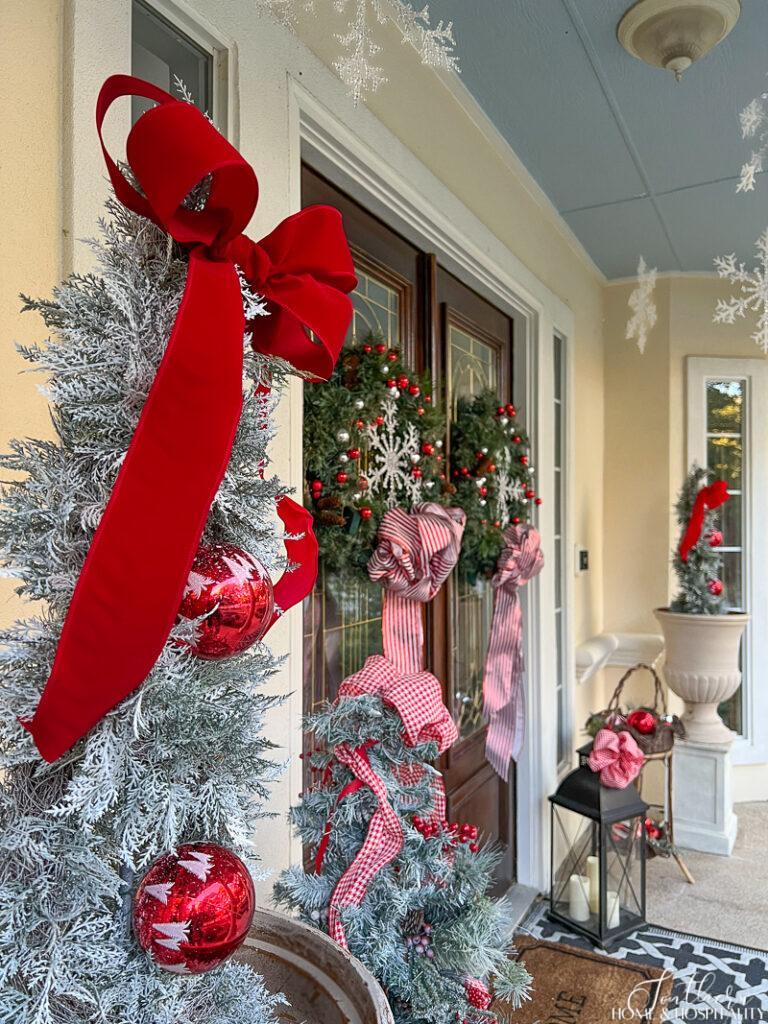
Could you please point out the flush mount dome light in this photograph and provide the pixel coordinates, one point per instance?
(673, 34)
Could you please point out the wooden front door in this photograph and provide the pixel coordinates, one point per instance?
(442, 325)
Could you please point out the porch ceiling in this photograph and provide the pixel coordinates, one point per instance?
(634, 162)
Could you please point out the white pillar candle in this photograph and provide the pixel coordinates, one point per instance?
(578, 897)
(612, 910)
(593, 872)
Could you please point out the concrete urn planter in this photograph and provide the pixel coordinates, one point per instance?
(323, 983)
(702, 666)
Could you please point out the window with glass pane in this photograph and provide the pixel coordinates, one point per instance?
(473, 366)
(342, 621)
(726, 454)
(563, 717)
(163, 55)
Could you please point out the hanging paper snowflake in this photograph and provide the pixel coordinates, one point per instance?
(510, 489)
(357, 68)
(643, 318)
(754, 291)
(754, 125)
(393, 455)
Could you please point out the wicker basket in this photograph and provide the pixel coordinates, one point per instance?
(663, 736)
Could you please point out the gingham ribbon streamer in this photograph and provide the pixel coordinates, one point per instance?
(617, 757)
(414, 556)
(504, 702)
(417, 698)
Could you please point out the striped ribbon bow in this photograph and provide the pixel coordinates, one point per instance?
(504, 702)
(414, 556)
(417, 698)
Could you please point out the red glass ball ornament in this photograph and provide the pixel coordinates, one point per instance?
(483, 522)
(497, 524)
(483, 492)
(643, 721)
(379, 421)
(414, 390)
(715, 587)
(428, 399)
(538, 501)
(715, 538)
(193, 908)
(530, 494)
(416, 473)
(353, 453)
(367, 349)
(391, 382)
(233, 591)
(523, 460)
(464, 471)
(359, 424)
(366, 512)
(516, 520)
(420, 411)
(517, 439)
(341, 477)
(393, 355)
(403, 382)
(428, 448)
(492, 467)
(500, 410)
(316, 485)
(511, 410)
(381, 349)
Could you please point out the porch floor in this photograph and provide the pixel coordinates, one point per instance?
(729, 901)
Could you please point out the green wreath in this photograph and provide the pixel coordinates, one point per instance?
(373, 440)
(492, 477)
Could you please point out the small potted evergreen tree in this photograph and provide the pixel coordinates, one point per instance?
(702, 639)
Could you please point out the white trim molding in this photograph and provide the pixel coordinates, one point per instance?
(620, 649)
(752, 746)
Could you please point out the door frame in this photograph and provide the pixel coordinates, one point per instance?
(389, 181)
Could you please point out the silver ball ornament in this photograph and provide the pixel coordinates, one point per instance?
(359, 404)
(342, 436)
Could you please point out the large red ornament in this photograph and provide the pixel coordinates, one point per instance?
(232, 589)
(715, 587)
(643, 721)
(193, 908)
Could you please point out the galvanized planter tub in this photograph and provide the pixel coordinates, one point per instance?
(323, 983)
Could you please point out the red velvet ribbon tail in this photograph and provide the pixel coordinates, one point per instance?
(295, 584)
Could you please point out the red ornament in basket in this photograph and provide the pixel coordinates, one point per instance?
(643, 720)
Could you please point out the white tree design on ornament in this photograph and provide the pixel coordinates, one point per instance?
(754, 291)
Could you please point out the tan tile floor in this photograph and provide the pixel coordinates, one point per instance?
(729, 901)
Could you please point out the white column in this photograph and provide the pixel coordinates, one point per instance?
(703, 800)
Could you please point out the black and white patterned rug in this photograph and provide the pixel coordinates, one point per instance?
(713, 981)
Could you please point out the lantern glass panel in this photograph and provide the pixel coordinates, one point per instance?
(624, 872)
(574, 839)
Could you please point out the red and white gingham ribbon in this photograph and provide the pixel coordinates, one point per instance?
(417, 698)
(414, 556)
(504, 702)
(617, 757)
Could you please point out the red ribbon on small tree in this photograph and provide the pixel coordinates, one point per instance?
(708, 498)
(119, 618)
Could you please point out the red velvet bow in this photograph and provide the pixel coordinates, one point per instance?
(125, 602)
(708, 498)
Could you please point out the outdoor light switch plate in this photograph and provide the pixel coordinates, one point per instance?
(582, 560)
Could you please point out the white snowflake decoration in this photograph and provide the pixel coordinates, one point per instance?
(754, 291)
(357, 68)
(643, 318)
(510, 491)
(754, 125)
(392, 457)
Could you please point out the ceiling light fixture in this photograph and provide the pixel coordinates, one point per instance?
(673, 34)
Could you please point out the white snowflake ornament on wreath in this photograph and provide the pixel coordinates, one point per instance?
(754, 291)
(643, 318)
(392, 457)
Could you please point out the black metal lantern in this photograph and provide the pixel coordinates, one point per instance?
(597, 857)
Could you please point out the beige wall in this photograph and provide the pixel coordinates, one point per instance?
(30, 202)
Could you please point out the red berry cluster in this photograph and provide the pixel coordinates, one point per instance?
(454, 831)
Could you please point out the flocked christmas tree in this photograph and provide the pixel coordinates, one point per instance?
(698, 561)
(183, 759)
(426, 928)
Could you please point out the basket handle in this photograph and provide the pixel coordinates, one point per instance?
(659, 696)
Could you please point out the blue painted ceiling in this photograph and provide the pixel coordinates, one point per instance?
(635, 162)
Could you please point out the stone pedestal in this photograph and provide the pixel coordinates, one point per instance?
(703, 802)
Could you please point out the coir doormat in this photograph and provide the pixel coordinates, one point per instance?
(573, 986)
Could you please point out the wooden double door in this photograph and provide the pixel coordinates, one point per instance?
(441, 326)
